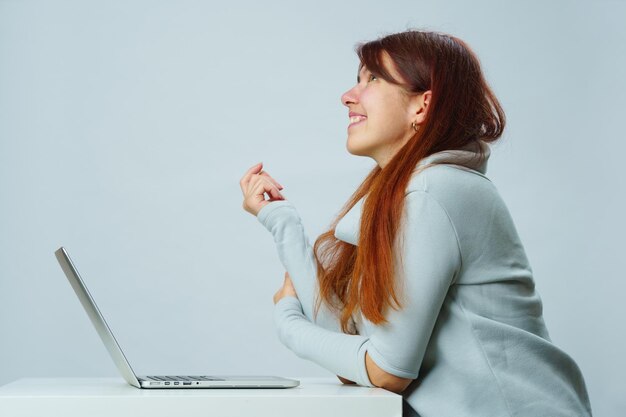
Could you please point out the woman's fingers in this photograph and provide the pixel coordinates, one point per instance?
(259, 178)
(262, 186)
(245, 180)
(265, 174)
(287, 289)
(257, 170)
(255, 184)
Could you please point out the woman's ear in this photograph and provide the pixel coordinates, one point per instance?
(421, 106)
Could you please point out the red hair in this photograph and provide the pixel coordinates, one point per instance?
(462, 109)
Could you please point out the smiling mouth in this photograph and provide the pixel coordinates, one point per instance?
(356, 120)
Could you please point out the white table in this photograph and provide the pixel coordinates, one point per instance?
(113, 397)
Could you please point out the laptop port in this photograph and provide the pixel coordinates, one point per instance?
(186, 383)
(167, 383)
(176, 383)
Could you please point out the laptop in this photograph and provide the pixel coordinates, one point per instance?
(155, 381)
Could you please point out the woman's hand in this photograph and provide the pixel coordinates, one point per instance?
(254, 184)
(286, 289)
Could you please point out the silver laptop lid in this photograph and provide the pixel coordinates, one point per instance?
(96, 317)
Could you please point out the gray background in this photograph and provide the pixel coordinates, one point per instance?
(126, 126)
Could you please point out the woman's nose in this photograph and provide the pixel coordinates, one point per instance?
(349, 97)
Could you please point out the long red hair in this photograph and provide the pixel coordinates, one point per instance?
(462, 109)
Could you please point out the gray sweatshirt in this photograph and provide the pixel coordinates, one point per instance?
(471, 332)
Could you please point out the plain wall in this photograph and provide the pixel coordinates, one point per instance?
(125, 128)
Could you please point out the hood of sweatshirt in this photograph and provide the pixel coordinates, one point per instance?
(467, 158)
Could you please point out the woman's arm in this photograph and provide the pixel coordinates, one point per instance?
(380, 378)
(292, 243)
(341, 353)
(296, 254)
(392, 354)
(377, 375)
(384, 379)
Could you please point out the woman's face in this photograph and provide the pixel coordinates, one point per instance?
(381, 115)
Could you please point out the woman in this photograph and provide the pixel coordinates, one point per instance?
(421, 285)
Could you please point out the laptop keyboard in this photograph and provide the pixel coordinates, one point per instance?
(183, 378)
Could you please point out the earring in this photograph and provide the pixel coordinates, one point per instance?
(414, 126)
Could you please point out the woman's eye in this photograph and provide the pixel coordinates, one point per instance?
(372, 76)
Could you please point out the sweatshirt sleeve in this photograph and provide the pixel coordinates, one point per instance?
(340, 353)
(430, 259)
(282, 220)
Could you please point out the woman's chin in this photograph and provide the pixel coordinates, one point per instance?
(356, 150)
